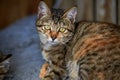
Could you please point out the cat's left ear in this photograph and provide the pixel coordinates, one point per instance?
(71, 14)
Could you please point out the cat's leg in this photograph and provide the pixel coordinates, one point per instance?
(55, 73)
(73, 70)
(43, 70)
(47, 72)
(76, 71)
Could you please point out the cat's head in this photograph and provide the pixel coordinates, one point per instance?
(55, 27)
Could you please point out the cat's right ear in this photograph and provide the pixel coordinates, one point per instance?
(43, 10)
(71, 14)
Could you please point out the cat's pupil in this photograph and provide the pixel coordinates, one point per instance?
(47, 27)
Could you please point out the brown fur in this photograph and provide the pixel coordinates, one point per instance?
(95, 52)
(54, 29)
(43, 70)
(89, 51)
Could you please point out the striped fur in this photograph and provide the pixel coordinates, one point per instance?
(88, 51)
(55, 29)
(95, 50)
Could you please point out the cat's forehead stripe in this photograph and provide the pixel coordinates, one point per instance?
(57, 14)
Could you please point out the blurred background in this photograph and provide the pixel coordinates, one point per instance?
(97, 10)
(12, 10)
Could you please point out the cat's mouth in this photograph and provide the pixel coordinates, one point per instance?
(53, 43)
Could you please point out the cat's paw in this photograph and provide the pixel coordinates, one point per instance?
(43, 71)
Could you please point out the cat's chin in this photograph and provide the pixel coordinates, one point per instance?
(52, 43)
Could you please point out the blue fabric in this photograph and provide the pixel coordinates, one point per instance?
(21, 39)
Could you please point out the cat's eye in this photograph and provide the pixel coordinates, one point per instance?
(47, 27)
(62, 29)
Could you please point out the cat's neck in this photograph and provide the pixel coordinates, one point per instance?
(52, 52)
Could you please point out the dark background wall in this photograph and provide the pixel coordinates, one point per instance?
(11, 10)
(96, 10)
(93, 10)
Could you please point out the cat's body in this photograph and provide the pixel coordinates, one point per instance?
(4, 64)
(90, 51)
(95, 52)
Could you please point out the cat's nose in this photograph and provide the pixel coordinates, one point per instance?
(54, 35)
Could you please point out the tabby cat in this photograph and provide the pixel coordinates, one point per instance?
(54, 34)
(4, 64)
(87, 51)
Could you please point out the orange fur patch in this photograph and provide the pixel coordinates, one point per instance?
(90, 43)
(43, 70)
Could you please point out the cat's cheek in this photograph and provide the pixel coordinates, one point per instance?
(43, 38)
(59, 37)
(49, 39)
(66, 39)
(63, 39)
